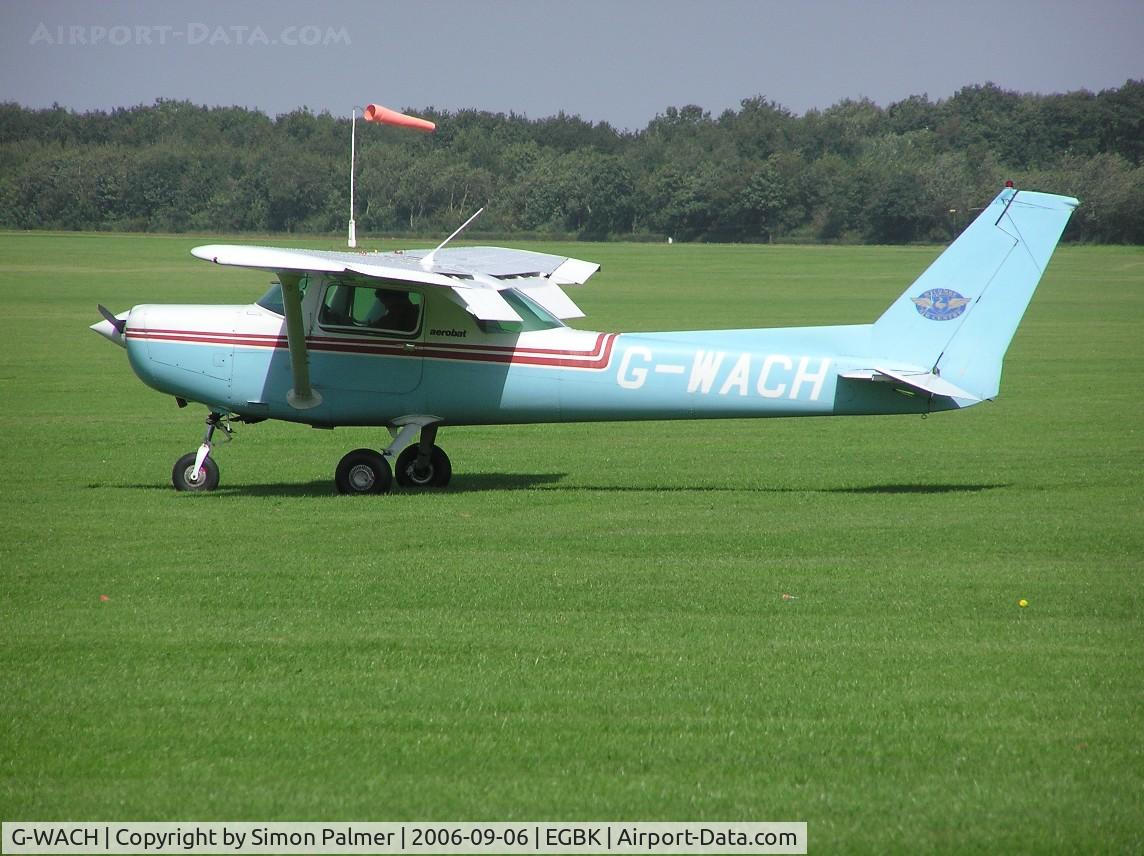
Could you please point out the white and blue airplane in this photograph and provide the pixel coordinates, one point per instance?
(421, 339)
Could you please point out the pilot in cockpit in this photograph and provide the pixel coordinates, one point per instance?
(392, 310)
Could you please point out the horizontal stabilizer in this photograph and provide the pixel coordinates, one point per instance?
(922, 381)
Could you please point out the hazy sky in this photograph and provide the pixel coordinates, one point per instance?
(620, 61)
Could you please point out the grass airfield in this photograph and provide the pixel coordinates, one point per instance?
(589, 624)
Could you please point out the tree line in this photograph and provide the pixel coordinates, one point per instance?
(917, 170)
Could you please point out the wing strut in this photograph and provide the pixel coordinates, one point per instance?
(302, 396)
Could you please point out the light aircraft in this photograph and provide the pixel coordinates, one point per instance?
(421, 339)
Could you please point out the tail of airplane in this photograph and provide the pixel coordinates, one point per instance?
(957, 319)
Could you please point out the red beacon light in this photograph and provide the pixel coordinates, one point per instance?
(1009, 182)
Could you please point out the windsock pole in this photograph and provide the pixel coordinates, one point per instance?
(384, 116)
(352, 242)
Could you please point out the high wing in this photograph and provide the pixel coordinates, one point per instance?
(474, 275)
(464, 270)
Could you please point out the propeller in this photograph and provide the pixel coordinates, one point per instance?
(118, 323)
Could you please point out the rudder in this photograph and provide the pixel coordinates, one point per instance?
(957, 319)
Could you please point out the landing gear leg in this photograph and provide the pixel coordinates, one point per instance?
(197, 471)
(423, 464)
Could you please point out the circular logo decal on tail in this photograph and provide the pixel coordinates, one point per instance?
(940, 304)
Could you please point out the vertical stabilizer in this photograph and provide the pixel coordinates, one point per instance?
(958, 317)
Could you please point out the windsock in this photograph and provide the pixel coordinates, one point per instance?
(377, 113)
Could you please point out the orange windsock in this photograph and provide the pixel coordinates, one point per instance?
(377, 113)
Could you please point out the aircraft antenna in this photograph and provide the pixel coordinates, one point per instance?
(427, 262)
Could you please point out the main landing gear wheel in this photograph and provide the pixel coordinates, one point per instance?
(184, 477)
(363, 471)
(435, 472)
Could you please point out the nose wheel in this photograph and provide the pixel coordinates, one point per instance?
(189, 474)
(197, 471)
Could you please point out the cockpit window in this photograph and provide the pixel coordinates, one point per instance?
(533, 316)
(386, 310)
(272, 299)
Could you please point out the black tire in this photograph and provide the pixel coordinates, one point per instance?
(363, 471)
(437, 474)
(183, 478)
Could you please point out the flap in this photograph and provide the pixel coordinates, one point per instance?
(573, 272)
(552, 298)
(486, 304)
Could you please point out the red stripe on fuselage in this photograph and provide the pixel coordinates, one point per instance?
(597, 357)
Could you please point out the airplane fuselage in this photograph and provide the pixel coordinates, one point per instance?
(235, 359)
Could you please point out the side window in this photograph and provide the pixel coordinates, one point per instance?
(388, 310)
(272, 299)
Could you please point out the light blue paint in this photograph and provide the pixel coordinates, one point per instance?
(955, 321)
